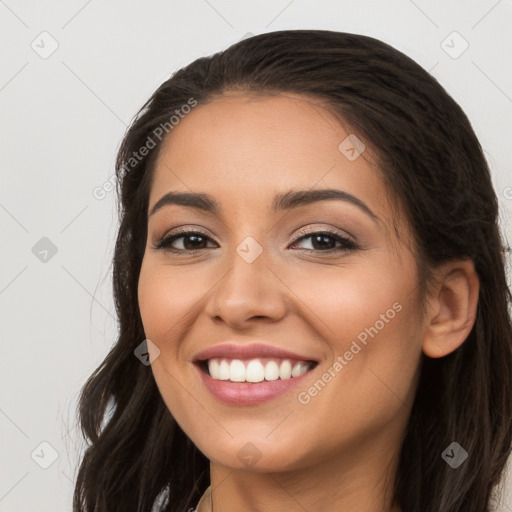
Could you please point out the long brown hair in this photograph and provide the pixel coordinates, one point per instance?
(431, 158)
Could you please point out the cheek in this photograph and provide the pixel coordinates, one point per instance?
(165, 297)
(369, 321)
(344, 302)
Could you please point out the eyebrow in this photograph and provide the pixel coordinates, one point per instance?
(283, 201)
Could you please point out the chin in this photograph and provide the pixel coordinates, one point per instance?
(258, 453)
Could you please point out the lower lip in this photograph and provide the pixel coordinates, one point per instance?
(249, 393)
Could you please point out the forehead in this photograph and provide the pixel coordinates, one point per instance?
(240, 146)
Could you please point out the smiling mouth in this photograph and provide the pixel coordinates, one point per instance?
(255, 370)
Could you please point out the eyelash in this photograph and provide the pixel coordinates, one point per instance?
(165, 241)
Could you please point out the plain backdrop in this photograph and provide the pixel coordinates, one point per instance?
(73, 75)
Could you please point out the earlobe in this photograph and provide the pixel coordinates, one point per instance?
(452, 308)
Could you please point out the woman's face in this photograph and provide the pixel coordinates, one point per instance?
(273, 276)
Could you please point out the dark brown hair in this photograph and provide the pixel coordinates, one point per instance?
(431, 158)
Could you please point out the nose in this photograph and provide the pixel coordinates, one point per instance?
(247, 291)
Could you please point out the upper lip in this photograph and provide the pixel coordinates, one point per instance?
(255, 350)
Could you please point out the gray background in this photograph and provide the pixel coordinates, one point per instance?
(64, 115)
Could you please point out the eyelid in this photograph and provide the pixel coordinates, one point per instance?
(187, 228)
(312, 230)
(177, 233)
(347, 241)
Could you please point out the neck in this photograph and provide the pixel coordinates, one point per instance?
(360, 481)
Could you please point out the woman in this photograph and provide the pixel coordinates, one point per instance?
(310, 285)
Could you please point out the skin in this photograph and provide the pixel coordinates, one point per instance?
(339, 451)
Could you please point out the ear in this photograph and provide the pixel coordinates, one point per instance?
(452, 308)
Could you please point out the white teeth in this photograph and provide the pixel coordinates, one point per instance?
(213, 367)
(223, 370)
(237, 371)
(285, 370)
(254, 371)
(271, 371)
(299, 369)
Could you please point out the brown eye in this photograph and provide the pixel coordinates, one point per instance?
(325, 241)
(192, 241)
